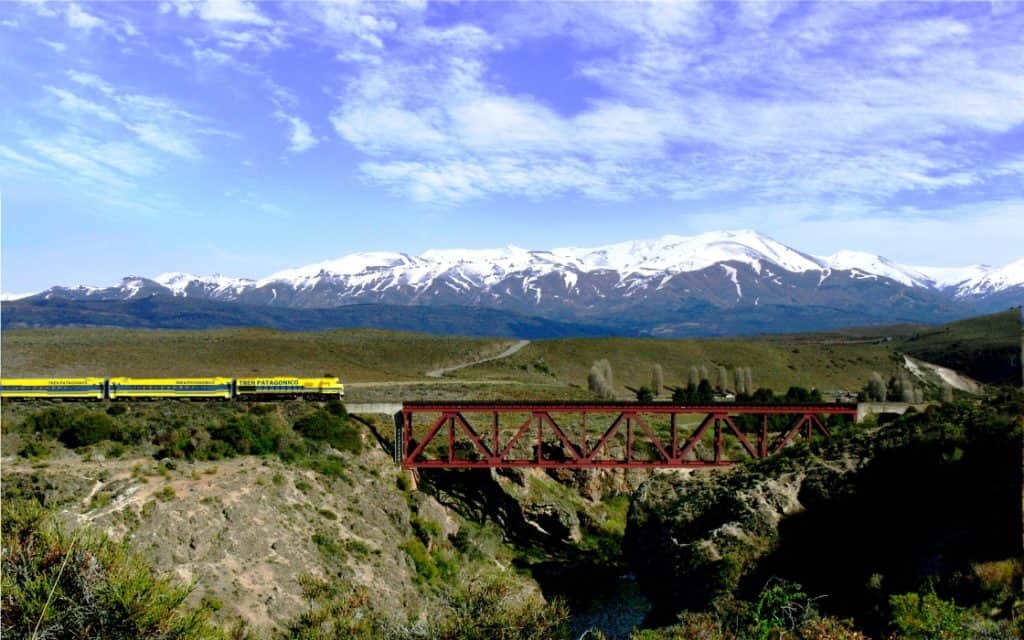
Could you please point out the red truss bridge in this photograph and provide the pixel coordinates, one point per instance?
(568, 435)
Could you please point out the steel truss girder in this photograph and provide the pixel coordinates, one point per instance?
(676, 453)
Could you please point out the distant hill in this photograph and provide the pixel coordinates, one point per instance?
(987, 348)
(167, 312)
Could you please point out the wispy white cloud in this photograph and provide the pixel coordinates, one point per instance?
(154, 121)
(79, 163)
(128, 132)
(71, 102)
(206, 55)
(90, 80)
(59, 47)
(78, 18)
(301, 136)
(19, 160)
(181, 7)
(166, 140)
(239, 11)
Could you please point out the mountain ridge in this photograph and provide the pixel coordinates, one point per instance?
(651, 286)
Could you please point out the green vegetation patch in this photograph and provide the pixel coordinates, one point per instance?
(333, 428)
(58, 584)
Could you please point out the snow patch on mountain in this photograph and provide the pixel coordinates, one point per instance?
(350, 265)
(7, 296)
(731, 272)
(994, 280)
(944, 277)
(874, 265)
(680, 254)
(179, 282)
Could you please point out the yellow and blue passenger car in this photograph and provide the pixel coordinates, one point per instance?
(89, 388)
(169, 388)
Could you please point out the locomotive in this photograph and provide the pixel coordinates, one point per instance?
(223, 388)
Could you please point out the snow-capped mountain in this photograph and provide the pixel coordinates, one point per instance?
(663, 285)
(991, 280)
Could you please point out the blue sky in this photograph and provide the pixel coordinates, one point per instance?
(242, 138)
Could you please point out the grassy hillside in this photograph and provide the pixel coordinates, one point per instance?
(987, 348)
(354, 355)
(776, 362)
(557, 367)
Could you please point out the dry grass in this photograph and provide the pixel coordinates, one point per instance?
(776, 363)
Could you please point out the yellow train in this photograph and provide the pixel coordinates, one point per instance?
(216, 387)
(282, 386)
(91, 388)
(169, 388)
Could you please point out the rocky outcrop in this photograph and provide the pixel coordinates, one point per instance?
(600, 484)
(242, 531)
(694, 536)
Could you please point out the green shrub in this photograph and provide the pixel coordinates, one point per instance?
(403, 483)
(472, 608)
(780, 608)
(291, 446)
(336, 430)
(49, 422)
(924, 617)
(37, 448)
(358, 547)
(426, 568)
(337, 407)
(425, 530)
(99, 589)
(490, 607)
(335, 611)
(73, 429)
(262, 409)
(330, 466)
(87, 429)
(328, 546)
(705, 626)
(247, 434)
(117, 409)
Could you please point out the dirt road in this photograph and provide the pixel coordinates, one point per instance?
(437, 373)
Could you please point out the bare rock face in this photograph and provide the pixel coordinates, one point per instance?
(599, 484)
